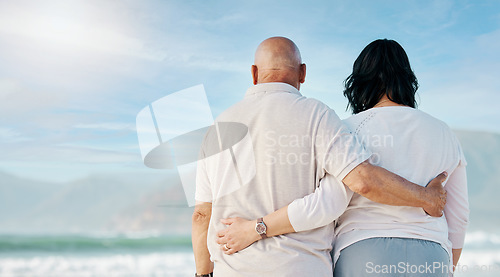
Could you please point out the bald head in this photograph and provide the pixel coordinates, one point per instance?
(277, 59)
(277, 53)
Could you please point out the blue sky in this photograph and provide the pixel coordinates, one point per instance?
(74, 74)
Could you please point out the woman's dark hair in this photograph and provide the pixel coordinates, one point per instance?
(381, 68)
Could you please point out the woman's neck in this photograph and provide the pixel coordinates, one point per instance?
(386, 102)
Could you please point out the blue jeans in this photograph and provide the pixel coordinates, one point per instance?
(393, 257)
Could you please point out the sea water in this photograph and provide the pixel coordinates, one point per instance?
(88, 256)
(480, 256)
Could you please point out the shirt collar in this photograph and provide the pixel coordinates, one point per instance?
(270, 88)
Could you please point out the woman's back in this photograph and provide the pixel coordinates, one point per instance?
(413, 145)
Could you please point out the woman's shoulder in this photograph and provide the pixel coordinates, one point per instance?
(396, 116)
(357, 121)
(433, 122)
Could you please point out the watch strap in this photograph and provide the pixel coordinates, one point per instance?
(211, 274)
(261, 221)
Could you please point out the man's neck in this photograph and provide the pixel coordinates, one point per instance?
(296, 85)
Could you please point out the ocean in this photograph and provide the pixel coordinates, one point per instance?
(89, 256)
(146, 255)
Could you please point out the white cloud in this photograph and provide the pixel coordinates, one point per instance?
(11, 135)
(66, 153)
(221, 21)
(74, 77)
(489, 44)
(72, 25)
(114, 126)
(17, 99)
(464, 92)
(433, 16)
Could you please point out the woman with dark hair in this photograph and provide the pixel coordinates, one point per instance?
(373, 238)
(382, 72)
(376, 238)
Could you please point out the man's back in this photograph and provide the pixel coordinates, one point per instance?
(288, 133)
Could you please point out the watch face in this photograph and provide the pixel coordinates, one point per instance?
(260, 228)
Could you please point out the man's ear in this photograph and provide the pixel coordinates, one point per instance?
(302, 73)
(255, 74)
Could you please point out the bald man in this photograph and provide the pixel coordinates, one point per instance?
(295, 143)
(278, 59)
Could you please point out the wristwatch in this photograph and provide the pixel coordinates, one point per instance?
(211, 274)
(261, 228)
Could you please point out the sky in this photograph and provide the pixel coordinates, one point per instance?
(75, 74)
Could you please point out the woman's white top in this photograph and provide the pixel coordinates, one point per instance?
(415, 146)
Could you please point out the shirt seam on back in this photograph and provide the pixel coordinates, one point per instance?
(361, 125)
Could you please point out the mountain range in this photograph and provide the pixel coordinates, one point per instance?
(131, 203)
